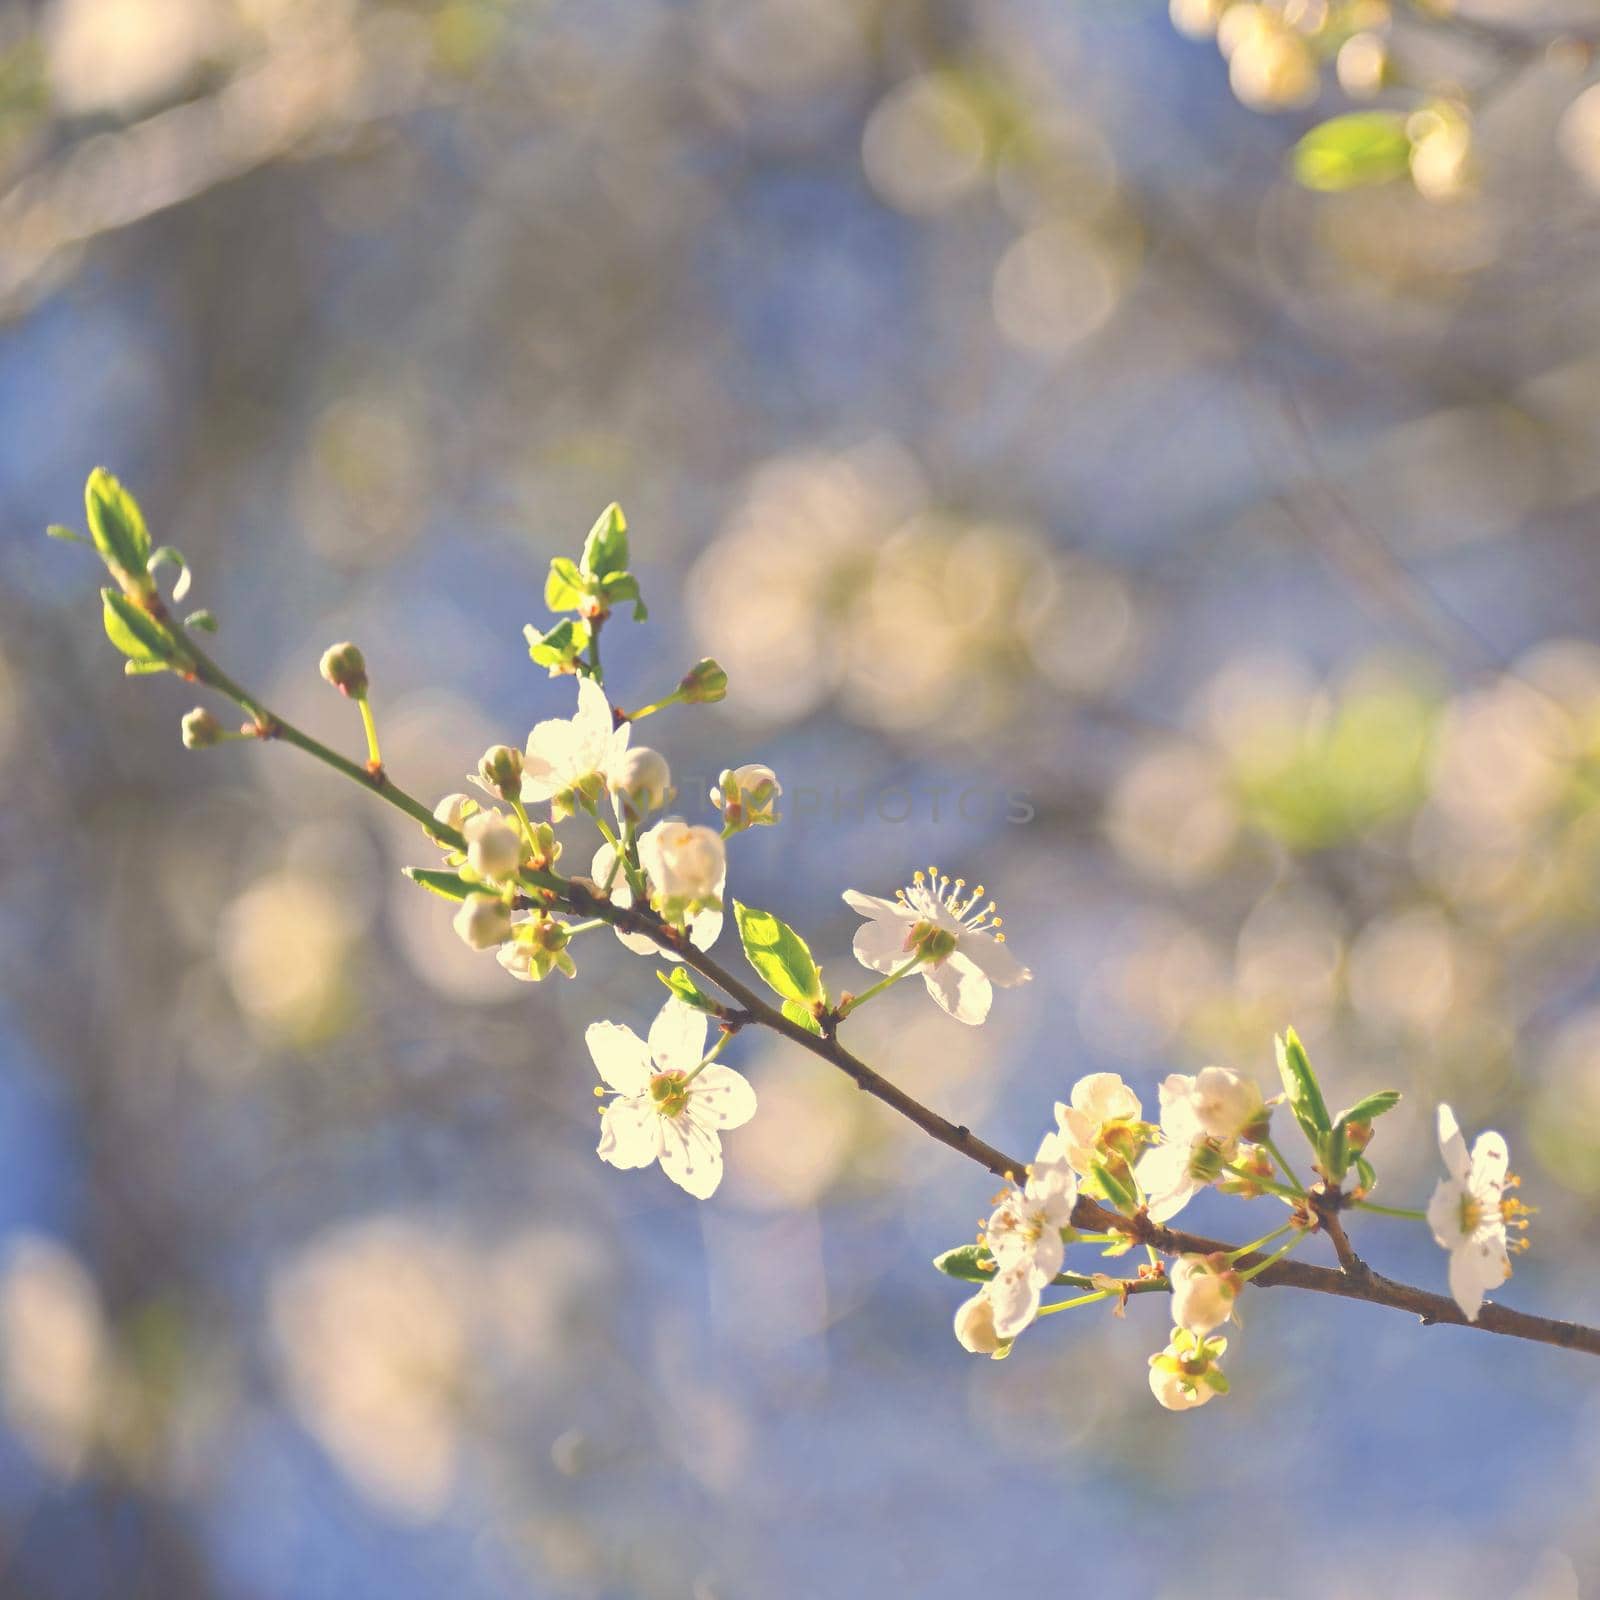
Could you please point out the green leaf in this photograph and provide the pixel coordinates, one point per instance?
(564, 589)
(1333, 1154)
(135, 632)
(622, 586)
(966, 1262)
(117, 526)
(797, 1011)
(1300, 1085)
(1362, 147)
(778, 954)
(681, 982)
(560, 648)
(606, 549)
(140, 669)
(204, 620)
(59, 530)
(1373, 1105)
(166, 556)
(1113, 1187)
(447, 885)
(1369, 1178)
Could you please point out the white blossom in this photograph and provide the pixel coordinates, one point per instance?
(641, 783)
(494, 844)
(1189, 1157)
(1101, 1104)
(1203, 1292)
(454, 810)
(1186, 1374)
(962, 956)
(483, 921)
(1024, 1237)
(1469, 1214)
(687, 865)
(703, 926)
(667, 1107)
(1227, 1104)
(573, 761)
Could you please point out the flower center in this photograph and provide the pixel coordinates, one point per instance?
(933, 894)
(670, 1091)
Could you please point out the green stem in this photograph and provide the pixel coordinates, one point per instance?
(370, 728)
(894, 977)
(710, 1056)
(1390, 1211)
(656, 705)
(1265, 1239)
(635, 875)
(1263, 1183)
(1288, 1171)
(1079, 1300)
(1277, 1255)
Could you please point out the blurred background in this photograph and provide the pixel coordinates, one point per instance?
(1099, 475)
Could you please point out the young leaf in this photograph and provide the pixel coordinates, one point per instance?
(564, 589)
(970, 1262)
(1373, 1105)
(606, 549)
(447, 885)
(166, 556)
(1333, 1154)
(1300, 1085)
(135, 632)
(778, 954)
(58, 530)
(798, 1012)
(560, 648)
(204, 620)
(622, 586)
(117, 526)
(681, 982)
(1363, 147)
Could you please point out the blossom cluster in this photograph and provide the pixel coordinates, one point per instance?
(1103, 1175)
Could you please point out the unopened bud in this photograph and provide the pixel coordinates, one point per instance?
(1203, 1292)
(501, 770)
(345, 668)
(494, 846)
(201, 730)
(747, 796)
(643, 784)
(703, 683)
(483, 921)
(454, 810)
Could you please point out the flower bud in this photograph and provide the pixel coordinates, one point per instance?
(537, 949)
(346, 669)
(201, 730)
(454, 810)
(643, 784)
(975, 1327)
(1226, 1103)
(747, 796)
(500, 771)
(1203, 1293)
(494, 846)
(1362, 65)
(483, 921)
(703, 683)
(687, 865)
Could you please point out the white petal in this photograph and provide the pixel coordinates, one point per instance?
(1163, 1174)
(960, 989)
(620, 1056)
(1452, 1146)
(1048, 1254)
(869, 905)
(1105, 1097)
(704, 929)
(1474, 1270)
(990, 956)
(1014, 1294)
(1490, 1158)
(691, 1156)
(593, 722)
(721, 1098)
(640, 943)
(881, 946)
(630, 1134)
(678, 1037)
(1444, 1213)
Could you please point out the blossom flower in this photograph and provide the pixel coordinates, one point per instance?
(1469, 1214)
(961, 955)
(537, 947)
(494, 844)
(668, 1106)
(1024, 1237)
(1186, 1374)
(1202, 1119)
(1203, 1293)
(703, 926)
(1101, 1121)
(687, 866)
(483, 921)
(571, 762)
(747, 796)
